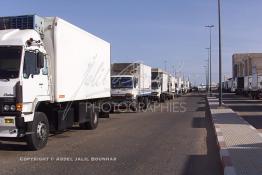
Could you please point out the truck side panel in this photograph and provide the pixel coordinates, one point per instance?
(164, 82)
(82, 64)
(144, 79)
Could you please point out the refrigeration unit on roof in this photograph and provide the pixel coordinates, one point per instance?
(23, 22)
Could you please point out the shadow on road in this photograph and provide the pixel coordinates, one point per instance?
(199, 122)
(255, 121)
(209, 163)
(13, 146)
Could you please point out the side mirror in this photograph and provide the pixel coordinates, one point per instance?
(40, 60)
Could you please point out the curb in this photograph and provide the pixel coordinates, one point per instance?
(225, 157)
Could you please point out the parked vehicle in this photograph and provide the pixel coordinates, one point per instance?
(202, 88)
(131, 86)
(256, 85)
(247, 68)
(172, 85)
(160, 85)
(53, 74)
(180, 85)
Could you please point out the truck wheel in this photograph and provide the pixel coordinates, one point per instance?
(135, 106)
(145, 101)
(162, 98)
(93, 123)
(39, 130)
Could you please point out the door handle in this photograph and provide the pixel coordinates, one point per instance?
(40, 84)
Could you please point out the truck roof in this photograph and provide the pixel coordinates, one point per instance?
(17, 37)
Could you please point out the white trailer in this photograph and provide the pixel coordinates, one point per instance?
(180, 85)
(172, 84)
(247, 84)
(53, 74)
(247, 68)
(130, 86)
(160, 85)
(256, 84)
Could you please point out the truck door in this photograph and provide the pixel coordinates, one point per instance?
(35, 79)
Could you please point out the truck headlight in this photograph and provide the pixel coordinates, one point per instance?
(6, 107)
(12, 107)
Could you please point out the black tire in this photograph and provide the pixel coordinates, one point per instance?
(93, 123)
(162, 98)
(39, 132)
(145, 103)
(135, 106)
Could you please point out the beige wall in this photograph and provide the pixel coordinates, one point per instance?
(242, 64)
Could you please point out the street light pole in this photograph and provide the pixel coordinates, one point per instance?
(220, 55)
(206, 73)
(210, 56)
(209, 70)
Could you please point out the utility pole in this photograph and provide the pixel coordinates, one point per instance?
(220, 54)
(210, 57)
(208, 71)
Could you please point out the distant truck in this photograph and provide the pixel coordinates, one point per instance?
(247, 71)
(130, 86)
(52, 75)
(172, 85)
(160, 85)
(180, 85)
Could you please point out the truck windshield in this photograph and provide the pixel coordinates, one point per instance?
(121, 82)
(155, 85)
(154, 75)
(10, 58)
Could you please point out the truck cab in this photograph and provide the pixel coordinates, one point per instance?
(124, 87)
(23, 63)
(130, 86)
(44, 83)
(156, 89)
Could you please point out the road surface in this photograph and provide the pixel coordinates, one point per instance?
(154, 142)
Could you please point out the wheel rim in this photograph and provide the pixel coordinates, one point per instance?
(41, 131)
(95, 118)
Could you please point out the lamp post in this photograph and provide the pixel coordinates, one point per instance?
(206, 73)
(210, 56)
(208, 70)
(220, 55)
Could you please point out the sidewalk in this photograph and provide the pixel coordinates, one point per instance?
(240, 143)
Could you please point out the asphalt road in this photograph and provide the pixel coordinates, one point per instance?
(250, 110)
(154, 142)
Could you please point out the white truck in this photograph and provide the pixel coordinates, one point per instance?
(187, 86)
(256, 84)
(52, 75)
(247, 70)
(160, 85)
(247, 84)
(172, 85)
(230, 85)
(179, 85)
(130, 86)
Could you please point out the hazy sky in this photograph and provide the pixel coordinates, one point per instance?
(154, 30)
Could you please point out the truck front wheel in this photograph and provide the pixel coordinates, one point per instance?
(38, 132)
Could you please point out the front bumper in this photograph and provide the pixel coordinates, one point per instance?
(15, 128)
(121, 101)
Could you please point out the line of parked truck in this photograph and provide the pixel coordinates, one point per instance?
(247, 75)
(54, 75)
